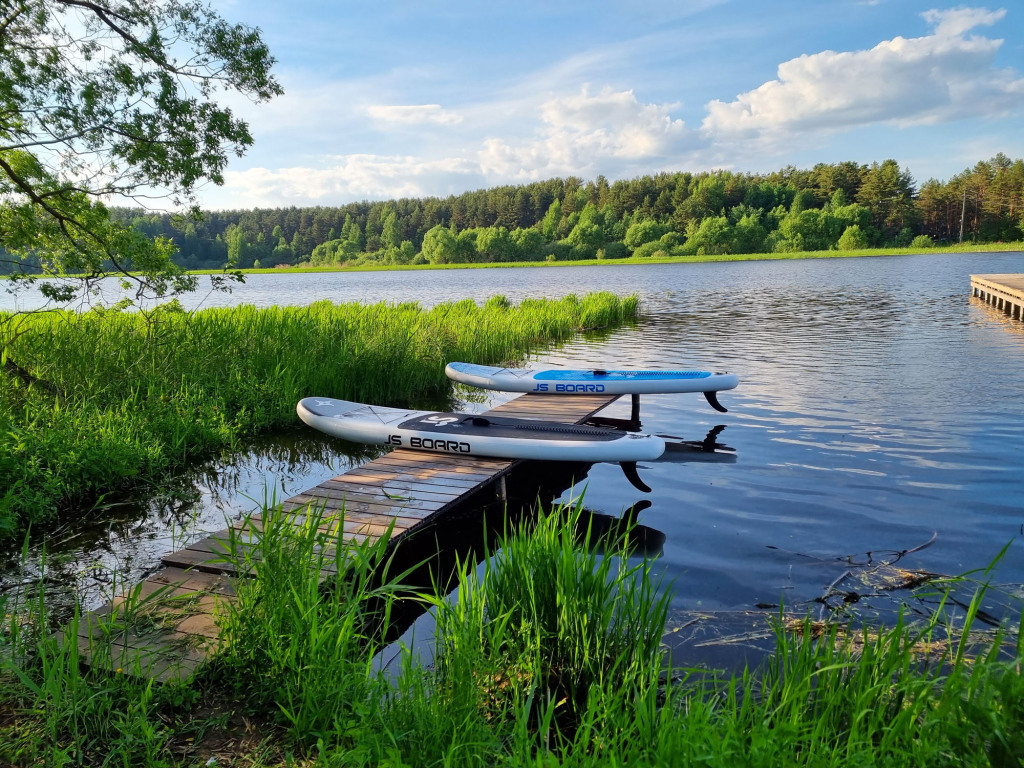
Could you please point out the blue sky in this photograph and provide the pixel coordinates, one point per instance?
(419, 98)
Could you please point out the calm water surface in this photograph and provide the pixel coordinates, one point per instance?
(880, 407)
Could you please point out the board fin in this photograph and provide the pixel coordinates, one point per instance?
(712, 398)
(629, 470)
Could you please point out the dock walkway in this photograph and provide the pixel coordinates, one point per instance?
(1005, 292)
(166, 626)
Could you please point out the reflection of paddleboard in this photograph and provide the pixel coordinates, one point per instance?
(610, 533)
(464, 433)
(679, 449)
(559, 381)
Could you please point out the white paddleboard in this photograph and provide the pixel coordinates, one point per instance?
(563, 381)
(469, 435)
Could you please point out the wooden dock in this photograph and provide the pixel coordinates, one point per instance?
(1005, 292)
(166, 626)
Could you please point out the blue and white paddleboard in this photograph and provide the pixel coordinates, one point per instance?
(561, 381)
(470, 435)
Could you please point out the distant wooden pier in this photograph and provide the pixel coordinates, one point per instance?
(1005, 292)
(166, 626)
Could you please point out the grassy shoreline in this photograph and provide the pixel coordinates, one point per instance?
(629, 261)
(986, 248)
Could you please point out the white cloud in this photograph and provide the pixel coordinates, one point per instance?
(936, 78)
(579, 133)
(349, 177)
(414, 114)
(957, 21)
(582, 131)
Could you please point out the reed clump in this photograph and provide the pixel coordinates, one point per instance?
(548, 654)
(120, 397)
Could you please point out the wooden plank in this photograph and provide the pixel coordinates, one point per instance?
(376, 525)
(425, 472)
(456, 465)
(472, 464)
(198, 560)
(337, 499)
(327, 522)
(478, 463)
(374, 499)
(162, 663)
(163, 627)
(334, 499)
(194, 580)
(144, 630)
(212, 563)
(394, 491)
(572, 408)
(426, 478)
(1003, 292)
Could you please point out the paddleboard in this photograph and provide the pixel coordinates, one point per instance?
(470, 435)
(564, 381)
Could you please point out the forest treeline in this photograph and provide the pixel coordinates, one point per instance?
(843, 205)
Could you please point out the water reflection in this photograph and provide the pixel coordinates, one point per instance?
(94, 553)
(621, 534)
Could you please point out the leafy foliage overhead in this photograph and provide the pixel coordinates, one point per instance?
(114, 99)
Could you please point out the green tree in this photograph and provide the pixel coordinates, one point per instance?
(888, 192)
(439, 245)
(748, 235)
(391, 235)
(283, 253)
(239, 248)
(712, 236)
(708, 199)
(552, 221)
(495, 244)
(588, 234)
(529, 244)
(108, 98)
(644, 231)
(803, 200)
(853, 239)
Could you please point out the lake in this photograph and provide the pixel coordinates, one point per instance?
(880, 409)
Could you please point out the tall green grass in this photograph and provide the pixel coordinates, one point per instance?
(54, 712)
(548, 655)
(141, 395)
(527, 653)
(309, 617)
